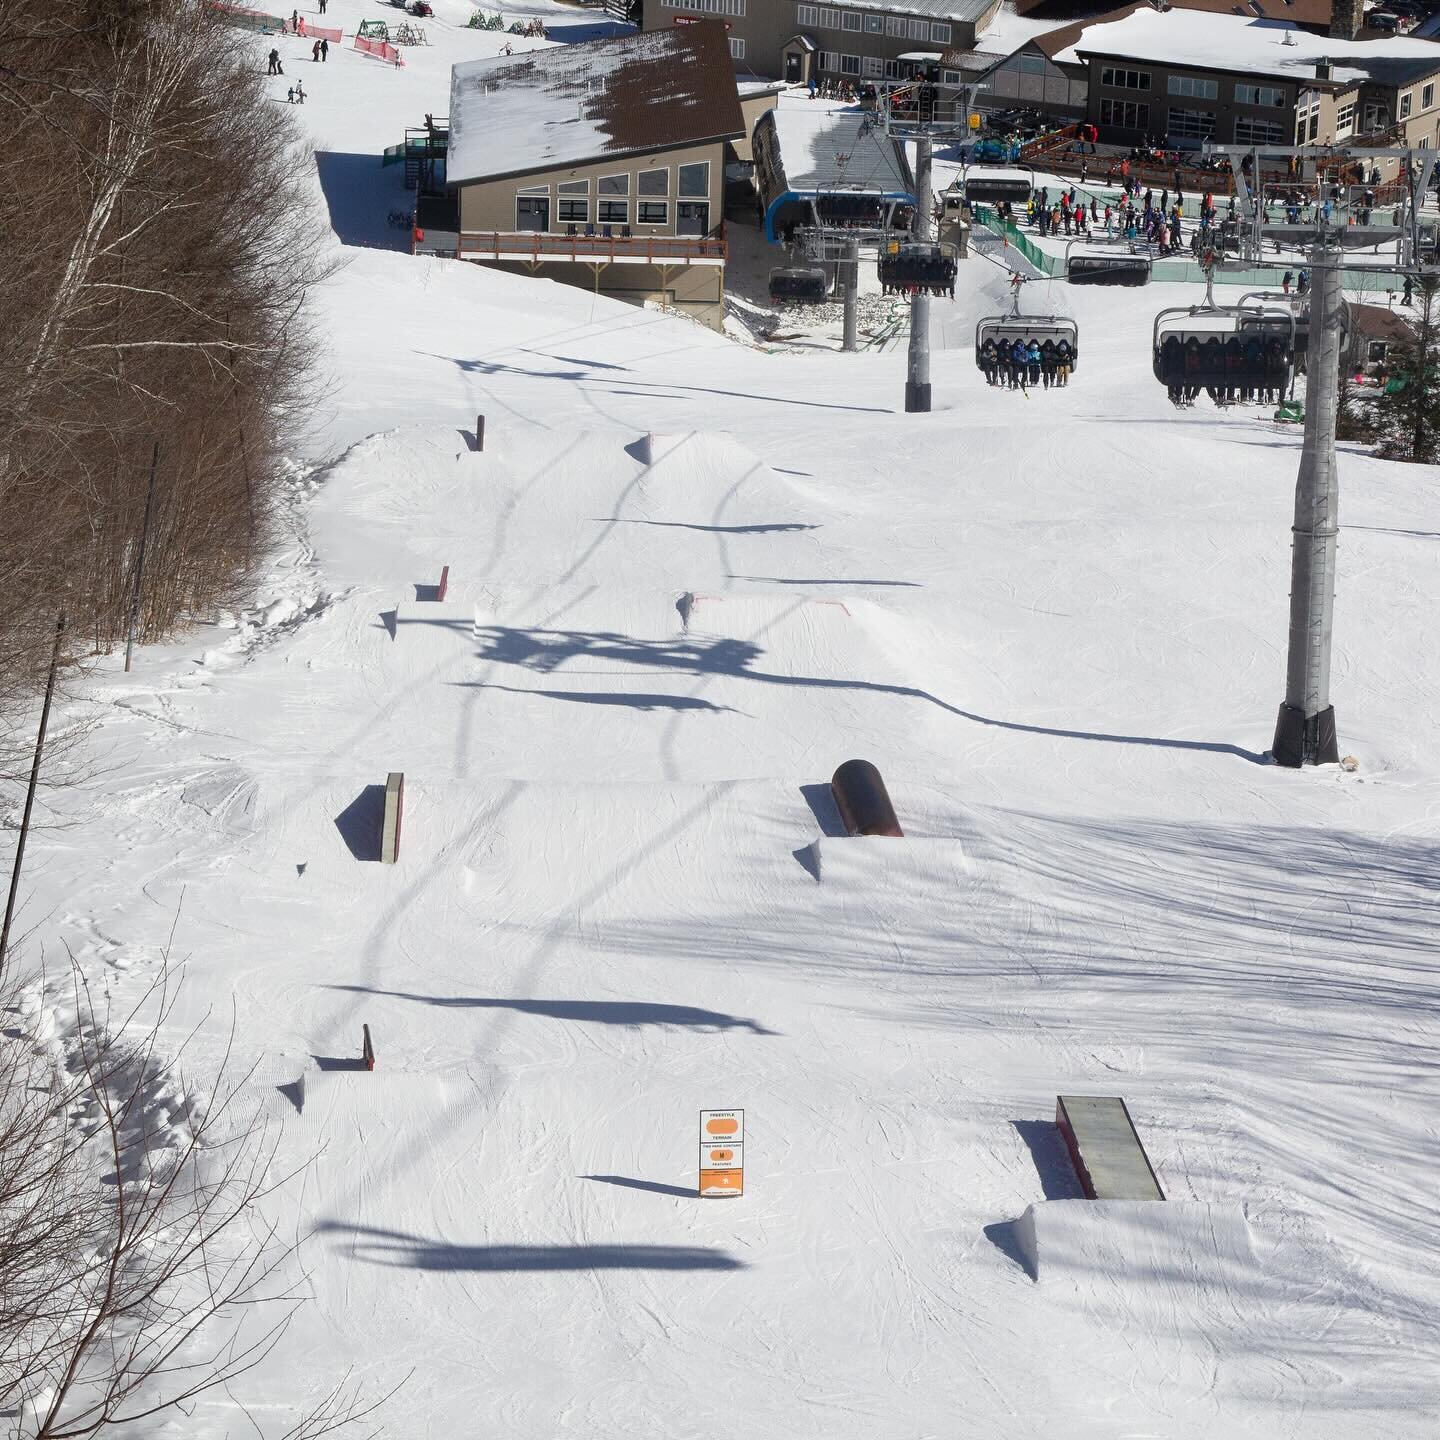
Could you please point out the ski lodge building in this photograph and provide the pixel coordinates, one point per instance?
(840, 40)
(600, 165)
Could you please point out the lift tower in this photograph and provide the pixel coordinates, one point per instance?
(1335, 184)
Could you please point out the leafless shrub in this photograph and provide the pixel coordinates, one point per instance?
(137, 1269)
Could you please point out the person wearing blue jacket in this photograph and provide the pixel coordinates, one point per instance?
(1019, 356)
(1032, 361)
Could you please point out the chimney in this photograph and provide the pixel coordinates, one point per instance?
(1323, 69)
(1346, 18)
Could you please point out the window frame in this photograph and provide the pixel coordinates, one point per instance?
(681, 193)
(663, 206)
(623, 206)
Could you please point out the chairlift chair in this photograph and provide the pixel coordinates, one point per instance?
(989, 185)
(909, 266)
(798, 285)
(1228, 351)
(1004, 330)
(1094, 266)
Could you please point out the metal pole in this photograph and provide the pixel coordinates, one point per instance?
(851, 272)
(30, 792)
(917, 377)
(1305, 730)
(140, 560)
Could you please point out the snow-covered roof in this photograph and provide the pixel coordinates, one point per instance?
(629, 94)
(967, 11)
(824, 149)
(1199, 40)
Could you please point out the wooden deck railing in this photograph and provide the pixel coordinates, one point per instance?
(548, 245)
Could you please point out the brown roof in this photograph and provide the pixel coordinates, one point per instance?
(1379, 322)
(568, 104)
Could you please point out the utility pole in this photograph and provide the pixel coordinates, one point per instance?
(917, 375)
(850, 273)
(1305, 730)
(140, 559)
(30, 792)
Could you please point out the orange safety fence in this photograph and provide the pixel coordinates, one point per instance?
(380, 49)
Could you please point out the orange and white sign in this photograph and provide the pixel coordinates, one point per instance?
(722, 1152)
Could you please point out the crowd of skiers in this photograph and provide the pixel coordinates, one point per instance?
(1159, 226)
(1020, 363)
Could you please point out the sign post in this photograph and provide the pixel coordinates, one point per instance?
(722, 1152)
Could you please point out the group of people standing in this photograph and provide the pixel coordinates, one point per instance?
(1020, 363)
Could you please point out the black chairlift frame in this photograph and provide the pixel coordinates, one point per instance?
(1013, 326)
(1092, 266)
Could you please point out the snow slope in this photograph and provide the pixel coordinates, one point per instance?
(1055, 622)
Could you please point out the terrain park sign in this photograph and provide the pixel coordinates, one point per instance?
(722, 1152)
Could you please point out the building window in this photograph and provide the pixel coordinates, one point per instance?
(853, 21)
(613, 212)
(940, 34)
(807, 17)
(1192, 86)
(695, 179)
(950, 77)
(919, 29)
(573, 187)
(1405, 106)
(653, 212)
(613, 185)
(1118, 79)
(1423, 143)
(1345, 119)
(873, 67)
(652, 182)
(1377, 117)
(1258, 132)
(1191, 124)
(1375, 353)
(1315, 123)
(737, 49)
(1427, 97)
(825, 60)
(1125, 114)
(874, 24)
(892, 69)
(849, 64)
(894, 25)
(830, 19)
(735, 7)
(1254, 95)
(574, 212)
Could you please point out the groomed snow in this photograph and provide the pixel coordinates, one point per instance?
(1055, 621)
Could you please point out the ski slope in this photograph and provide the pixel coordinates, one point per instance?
(1056, 622)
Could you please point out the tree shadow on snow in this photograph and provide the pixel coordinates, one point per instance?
(394, 1247)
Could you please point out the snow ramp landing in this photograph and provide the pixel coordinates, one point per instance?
(1220, 1305)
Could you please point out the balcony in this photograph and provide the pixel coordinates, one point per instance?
(584, 248)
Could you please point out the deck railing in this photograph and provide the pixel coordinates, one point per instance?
(539, 245)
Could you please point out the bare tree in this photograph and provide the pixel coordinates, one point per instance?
(138, 1270)
(160, 246)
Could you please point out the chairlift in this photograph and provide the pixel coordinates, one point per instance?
(1299, 306)
(1106, 267)
(915, 266)
(990, 185)
(1232, 352)
(1056, 333)
(799, 285)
